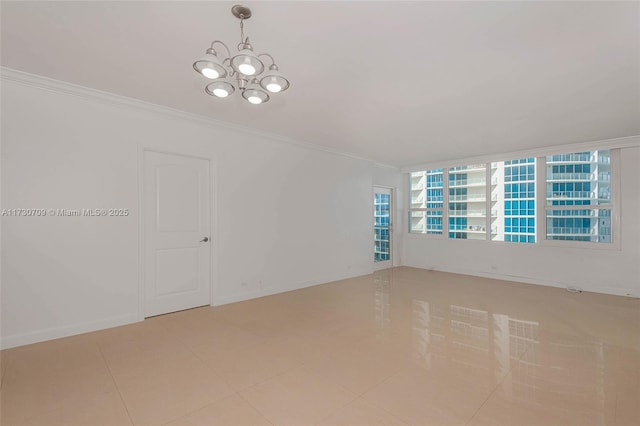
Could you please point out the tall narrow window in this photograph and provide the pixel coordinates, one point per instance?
(578, 196)
(468, 202)
(513, 195)
(427, 198)
(381, 228)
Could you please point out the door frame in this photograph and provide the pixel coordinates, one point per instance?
(213, 213)
(392, 221)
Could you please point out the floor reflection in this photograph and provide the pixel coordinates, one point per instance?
(382, 302)
(401, 346)
(535, 363)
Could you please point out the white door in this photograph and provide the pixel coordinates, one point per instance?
(177, 232)
(382, 228)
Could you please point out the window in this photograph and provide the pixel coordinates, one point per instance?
(427, 201)
(513, 200)
(468, 202)
(561, 197)
(578, 197)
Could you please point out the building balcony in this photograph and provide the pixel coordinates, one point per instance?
(467, 213)
(471, 229)
(467, 198)
(468, 168)
(571, 195)
(571, 213)
(570, 177)
(467, 182)
(570, 232)
(570, 159)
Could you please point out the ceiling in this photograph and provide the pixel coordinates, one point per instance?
(398, 82)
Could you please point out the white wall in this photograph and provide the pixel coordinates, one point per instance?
(288, 215)
(598, 270)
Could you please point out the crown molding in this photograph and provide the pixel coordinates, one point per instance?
(386, 166)
(94, 95)
(623, 142)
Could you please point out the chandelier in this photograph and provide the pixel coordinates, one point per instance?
(245, 67)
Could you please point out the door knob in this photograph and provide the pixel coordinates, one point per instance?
(204, 240)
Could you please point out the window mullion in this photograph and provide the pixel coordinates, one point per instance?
(489, 201)
(445, 202)
(615, 197)
(541, 200)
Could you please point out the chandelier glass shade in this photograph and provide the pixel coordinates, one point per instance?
(220, 89)
(254, 94)
(245, 69)
(274, 81)
(246, 62)
(210, 66)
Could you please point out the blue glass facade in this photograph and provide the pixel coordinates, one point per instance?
(572, 181)
(519, 200)
(435, 200)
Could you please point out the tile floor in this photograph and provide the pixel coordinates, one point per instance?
(402, 346)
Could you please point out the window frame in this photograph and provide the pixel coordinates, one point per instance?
(542, 208)
(540, 199)
(445, 204)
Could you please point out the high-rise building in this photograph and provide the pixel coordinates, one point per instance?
(579, 179)
(427, 192)
(513, 196)
(468, 202)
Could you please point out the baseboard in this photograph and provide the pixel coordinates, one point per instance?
(57, 332)
(224, 300)
(7, 342)
(627, 292)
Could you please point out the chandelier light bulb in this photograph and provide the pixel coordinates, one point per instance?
(210, 72)
(274, 87)
(247, 69)
(254, 94)
(220, 92)
(219, 89)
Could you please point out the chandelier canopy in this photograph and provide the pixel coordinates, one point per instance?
(245, 69)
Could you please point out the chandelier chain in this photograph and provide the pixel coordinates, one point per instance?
(242, 29)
